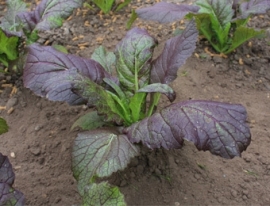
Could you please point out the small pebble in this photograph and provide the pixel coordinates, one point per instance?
(12, 154)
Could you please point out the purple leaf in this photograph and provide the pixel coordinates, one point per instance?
(254, 7)
(6, 173)
(50, 73)
(161, 88)
(48, 14)
(164, 12)
(8, 195)
(174, 55)
(100, 153)
(134, 54)
(214, 126)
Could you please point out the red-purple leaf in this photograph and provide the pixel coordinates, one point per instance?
(254, 7)
(8, 195)
(6, 173)
(48, 14)
(214, 126)
(164, 12)
(134, 53)
(174, 55)
(50, 73)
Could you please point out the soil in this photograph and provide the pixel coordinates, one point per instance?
(41, 140)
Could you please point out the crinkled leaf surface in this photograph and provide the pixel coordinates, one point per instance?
(133, 54)
(106, 59)
(7, 175)
(241, 35)
(214, 126)
(3, 126)
(50, 73)
(8, 45)
(48, 14)
(220, 10)
(165, 12)
(254, 7)
(8, 195)
(103, 194)
(174, 55)
(10, 22)
(161, 88)
(215, 26)
(100, 153)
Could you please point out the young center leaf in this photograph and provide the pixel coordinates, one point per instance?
(134, 54)
(214, 126)
(254, 7)
(100, 153)
(50, 73)
(8, 195)
(48, 14)
(165, 12)
(103, 194)
(176, 51)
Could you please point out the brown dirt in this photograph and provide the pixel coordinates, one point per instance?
(41, 139)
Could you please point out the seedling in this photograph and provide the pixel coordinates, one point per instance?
(20, 25)
(124, 119)
(222, 22)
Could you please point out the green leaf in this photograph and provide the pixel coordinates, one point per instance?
(97, 96)
(60, 48)
(103, 194)
(3, 126)
(220, 15)
(121, 100)
(122, 5)
(89, 121)
(122, 109)
(104, 5)
(221, 11)
(100, 153)
(116, 88)
(106, 59)
(137, 106)
(8, 46)
(241, 35)
(3, 59)
(132, 18)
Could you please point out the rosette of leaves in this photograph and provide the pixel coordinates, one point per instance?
(222, 22)
(19, 24)
(123, 118)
